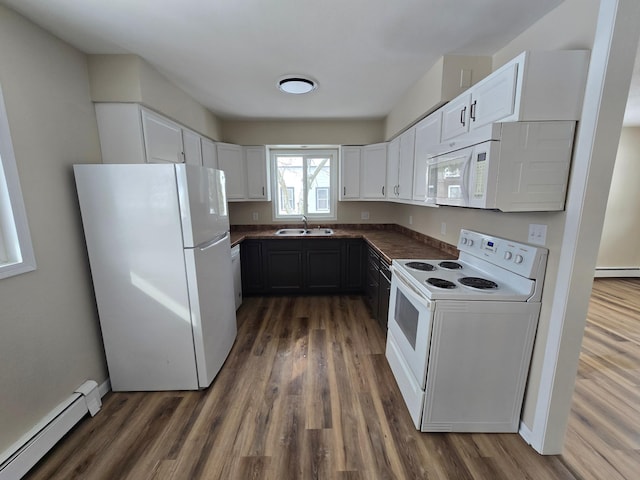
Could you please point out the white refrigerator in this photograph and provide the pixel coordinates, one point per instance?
(158, 242)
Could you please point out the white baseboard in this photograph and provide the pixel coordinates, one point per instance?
(526, 433)
(617, 272)
(16, 461)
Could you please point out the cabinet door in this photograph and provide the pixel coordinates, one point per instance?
(494, 98)
(373, 172)
(252, 266)
(120, 129)
(393, 161)
(162, 139)
(350, 173)
(384, 293)
(405, 166)
(257, 173)
(427, 137)
(231, 161)
(284, 266)
(372, 286)
(209, 153)
(323, 262)
(354, 261)
(192, 148)
(455, 117)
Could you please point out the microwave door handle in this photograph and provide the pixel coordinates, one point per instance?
(465, 180)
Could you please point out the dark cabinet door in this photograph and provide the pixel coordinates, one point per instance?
(322, 265)
(252, 267)
(372, 287)
(284, 266)
(354, 262)
(383, 295)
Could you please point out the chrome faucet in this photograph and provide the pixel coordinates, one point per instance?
(304, 220)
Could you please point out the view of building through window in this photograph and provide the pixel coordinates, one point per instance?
(304, 183)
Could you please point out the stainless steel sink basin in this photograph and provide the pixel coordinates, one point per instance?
(298, 232)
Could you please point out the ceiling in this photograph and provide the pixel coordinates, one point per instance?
(229, 54)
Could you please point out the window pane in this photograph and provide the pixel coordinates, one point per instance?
(289, 181)
(318, 178)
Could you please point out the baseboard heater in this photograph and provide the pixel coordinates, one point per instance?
(617, 272)
(24, 454)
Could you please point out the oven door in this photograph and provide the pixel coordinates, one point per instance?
(409, 322)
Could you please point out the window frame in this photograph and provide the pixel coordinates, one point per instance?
(16, 249)
(306, 153)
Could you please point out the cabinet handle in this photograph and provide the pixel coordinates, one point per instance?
(263, 191)
(472, 113)
(344, 190)
(382, 190)
(462, 115)
(181, 157)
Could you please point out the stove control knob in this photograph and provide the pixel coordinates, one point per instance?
(470, 243)
(508, 255)
(463, 240)
(519, 259)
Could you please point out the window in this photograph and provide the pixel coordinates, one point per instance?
(305, 183)
(322, 199)
(16, 251)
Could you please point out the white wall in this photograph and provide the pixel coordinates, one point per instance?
(619, 247)
(49, 334)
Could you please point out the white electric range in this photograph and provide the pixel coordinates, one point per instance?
(461, 333)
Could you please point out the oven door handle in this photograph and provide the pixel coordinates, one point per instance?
(410, 289)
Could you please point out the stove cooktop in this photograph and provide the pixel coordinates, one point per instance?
(460, 280)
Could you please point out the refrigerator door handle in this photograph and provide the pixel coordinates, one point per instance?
(219, 239)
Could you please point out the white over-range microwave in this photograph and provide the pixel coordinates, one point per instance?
(511, 167)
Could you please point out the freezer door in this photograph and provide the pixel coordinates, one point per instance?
(213, 312)
(203, 203)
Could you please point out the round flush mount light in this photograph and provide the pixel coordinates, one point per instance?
(297, 84)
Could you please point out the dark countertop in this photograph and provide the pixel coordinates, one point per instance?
(389, 243)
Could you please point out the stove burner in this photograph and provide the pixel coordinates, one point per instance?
(440, 282)
(479, 283)
(425, 267)
(450, 265)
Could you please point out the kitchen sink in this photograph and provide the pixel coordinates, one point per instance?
(297, 232)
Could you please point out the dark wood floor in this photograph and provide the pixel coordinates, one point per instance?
(306, 393)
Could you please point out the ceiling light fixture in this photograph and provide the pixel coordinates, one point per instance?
(296, 84)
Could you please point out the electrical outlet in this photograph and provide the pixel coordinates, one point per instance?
(537, 234)
(443, 228)
(256, 215)
(410, 219)
(364, 215)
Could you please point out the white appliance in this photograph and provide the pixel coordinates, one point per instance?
(460, 333)
(512, 167)
(158, 242)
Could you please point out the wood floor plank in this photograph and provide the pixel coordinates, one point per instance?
(307, 393)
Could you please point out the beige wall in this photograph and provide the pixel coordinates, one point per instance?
(619, 247)
(241, 213)
(303, 132)
(128, 78)
(440, 84)
(49, 338)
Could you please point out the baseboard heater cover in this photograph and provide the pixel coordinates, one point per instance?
(23, 455)
(617, 272)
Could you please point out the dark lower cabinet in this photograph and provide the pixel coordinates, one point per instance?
(302, 266)
(378, 287)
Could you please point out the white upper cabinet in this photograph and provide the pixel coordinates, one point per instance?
(130, 133)
(209, 153)
(373, 172)
(231, 161)
(405, 166)
(257, 173)
(393, 163)
(400, 166)
(350, 172)
(534, 86)
(428, 133)
(192, 147)
(162, 139)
